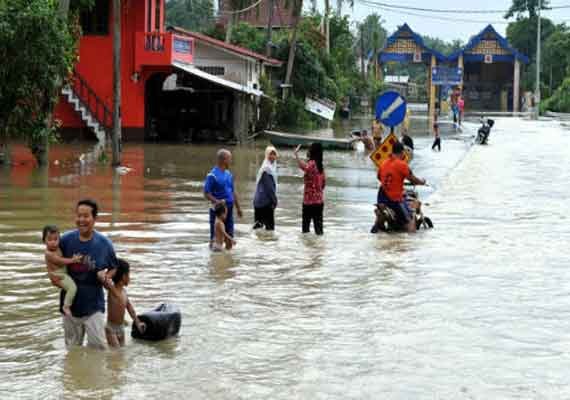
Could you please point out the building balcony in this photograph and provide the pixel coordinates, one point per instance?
(155, 49)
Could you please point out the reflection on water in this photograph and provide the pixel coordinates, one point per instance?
(476, 308)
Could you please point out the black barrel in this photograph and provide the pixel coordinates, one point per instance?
(161, 323)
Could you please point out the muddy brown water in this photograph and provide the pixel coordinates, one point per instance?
(477, 308)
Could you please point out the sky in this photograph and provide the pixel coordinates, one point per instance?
(428, 24)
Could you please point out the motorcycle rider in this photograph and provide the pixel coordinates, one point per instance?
(392, 174)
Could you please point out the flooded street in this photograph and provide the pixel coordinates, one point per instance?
(477, 308)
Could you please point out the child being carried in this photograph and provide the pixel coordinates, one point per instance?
(56, 265)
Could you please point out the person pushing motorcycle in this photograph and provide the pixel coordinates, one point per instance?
(391, 175)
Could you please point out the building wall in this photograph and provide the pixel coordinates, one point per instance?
(95, 65)
(236, 69)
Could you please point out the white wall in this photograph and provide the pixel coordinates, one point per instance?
(237, 69)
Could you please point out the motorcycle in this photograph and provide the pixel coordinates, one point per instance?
(484, 132)
(386, 218)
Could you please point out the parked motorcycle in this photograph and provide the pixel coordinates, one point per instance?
(387, 221)
(484, 132)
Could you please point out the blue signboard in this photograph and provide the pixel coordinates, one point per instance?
(182, 46)
(446, 76)
(390, 108)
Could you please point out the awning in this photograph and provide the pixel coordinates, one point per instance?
(216, 79)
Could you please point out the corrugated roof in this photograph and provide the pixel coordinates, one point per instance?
(227, 46)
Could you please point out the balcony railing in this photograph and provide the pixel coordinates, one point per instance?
(162, 48)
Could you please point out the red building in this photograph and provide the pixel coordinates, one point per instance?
(149, 55)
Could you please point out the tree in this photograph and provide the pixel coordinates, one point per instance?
(373, 36)
(41, 49)
(557, 56)
(520, 7)
(193, 15)
(297, 6)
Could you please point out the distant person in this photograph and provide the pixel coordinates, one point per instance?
(454, 105)
(461, 106)
(265, 198)
(221, 237)
(377, 131)
(369, 144)
(392, 174)
(90, 275)
(406, 140)
(117, 303)
(315, 180)
(57, 265)
(436, 136)
(218, 187)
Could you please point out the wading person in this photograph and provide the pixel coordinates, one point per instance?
(392, 174)
(219, 187)
(313, 195)
(265, 199)
(117, 303)
(436, 137)
(97, 258)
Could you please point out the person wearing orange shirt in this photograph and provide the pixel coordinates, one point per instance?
(392, 174)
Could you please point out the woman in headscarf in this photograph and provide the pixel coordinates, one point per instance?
(265, 199)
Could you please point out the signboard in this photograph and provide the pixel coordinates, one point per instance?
(182, 50)
(322, 107)
(417, 56)
(390, 108)
(446, 76)
(488, 59)
(383, 152)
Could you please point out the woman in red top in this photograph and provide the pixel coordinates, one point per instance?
(313, 198)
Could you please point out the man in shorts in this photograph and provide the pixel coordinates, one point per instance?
(218, 187)
(392, 174)
(90, 274)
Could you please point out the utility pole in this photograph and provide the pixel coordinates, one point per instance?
(271, 5)
(537, 89)
(362, 52)
(116, 136)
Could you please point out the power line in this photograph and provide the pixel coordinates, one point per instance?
(374, 4)
(453, 11)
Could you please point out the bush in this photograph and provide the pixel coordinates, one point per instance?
(560, 100)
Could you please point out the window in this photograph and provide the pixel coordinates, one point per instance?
(157, 23)
(96, 20)
(149, 16)
(213, 70)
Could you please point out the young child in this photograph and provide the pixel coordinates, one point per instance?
(220, 234)
(117, 303)
(56, 265)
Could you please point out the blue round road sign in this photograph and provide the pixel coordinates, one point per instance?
(390, 108)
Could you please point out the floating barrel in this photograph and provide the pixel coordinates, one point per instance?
(161, 323)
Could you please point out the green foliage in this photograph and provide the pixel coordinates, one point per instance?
(556, 62)
(38, 49)
(248, 36)
(373, 34)
(441, 45)
(560, 100)
(520, 7)
(193, 15)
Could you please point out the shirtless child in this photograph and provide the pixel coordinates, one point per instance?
(56, 265)
(117, 303)
(220, 234)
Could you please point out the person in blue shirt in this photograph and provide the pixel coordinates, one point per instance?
(219, 187)
(97, 263)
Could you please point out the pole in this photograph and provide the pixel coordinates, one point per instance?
(271, 6)
(116, 138)
(362, 52)
(537, 89)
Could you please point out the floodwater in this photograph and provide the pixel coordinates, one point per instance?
(477, 308)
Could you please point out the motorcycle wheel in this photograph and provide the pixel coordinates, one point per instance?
(428, 223)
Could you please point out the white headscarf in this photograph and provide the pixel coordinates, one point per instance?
(268, 166)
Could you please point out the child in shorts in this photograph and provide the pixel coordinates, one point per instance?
(56, 265)
(220, 234)
(117, 303)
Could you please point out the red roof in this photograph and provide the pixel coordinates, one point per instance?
(231, 47)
